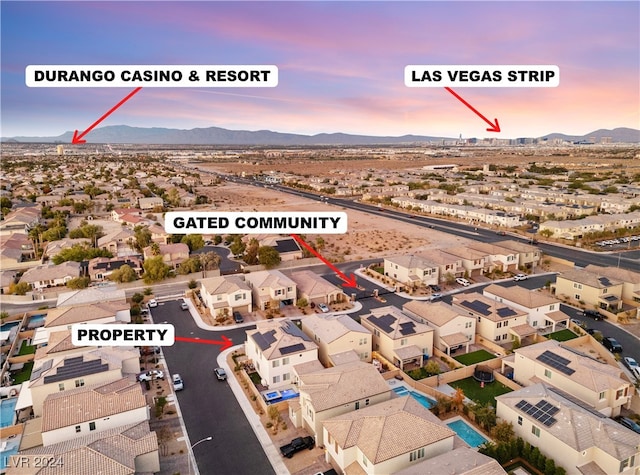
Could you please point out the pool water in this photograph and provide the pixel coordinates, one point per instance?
(8, 326)
(36, 321)
(467, 433)
(288, 393)
(421, 398)
(7, 411)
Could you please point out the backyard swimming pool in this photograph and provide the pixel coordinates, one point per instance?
(421, 398)
(7, 411)
(467, 433)
(277, 396)
(36, 321)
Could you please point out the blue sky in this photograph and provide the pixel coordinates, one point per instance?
(340, 64)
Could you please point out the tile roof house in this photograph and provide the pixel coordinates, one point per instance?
(498, 257)
(598, 385)
(630, 281)
(102, 406)
(61, 318)
(19, 220)
(51, 275)
(594, 290)
(447, 263)
(399, 338)
(100, 268)
(172, 254)
(475, 263)
(91, 295)
(385, 437)
(271, 287)
(412, 270)
(315, 289)
(126, 450)
(119, 242)
(452, 329)
(227, 292)
(337, 334)
(330, 392)
(581, 440)
(542, 309)
(459, 461)
(275, 346)
(529, 256)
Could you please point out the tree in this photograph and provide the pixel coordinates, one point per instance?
(251, 254)
(503, 431)
(137, 298)
(268, 256)
(458, 399)
(79, 253)
(237, 246)
(432, 367)
(88, 231)
(124, 274)
(194, 241)
(142, 236)
(155, 270)
(209, 261)
(79, 283)
(190, 266)
(192, 284)
(21, 288)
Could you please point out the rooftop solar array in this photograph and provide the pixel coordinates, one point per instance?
(264, 340)
(292, 349)
(478, 306)
(286, 245)
(555, 361)
(75, 367)
(506, 312)
(383, 322)
(542, 411)
(604, 281)
(407, 328)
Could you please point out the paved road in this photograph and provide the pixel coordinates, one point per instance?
(208, 406)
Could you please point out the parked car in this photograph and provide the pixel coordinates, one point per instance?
(237, 317)
(520, 277)
(220, 373)
(435, 296)
(628, 423)
(152, 303)
(435, 288)
(323, 307)
(592, 314)
(296, 445)
(177, 382)
(501, 233)
(151, 375)
(612, 344)
(577, 322)
(462, 281)
(630, 362)
(184, 305)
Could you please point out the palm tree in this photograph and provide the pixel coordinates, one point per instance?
(35, 234)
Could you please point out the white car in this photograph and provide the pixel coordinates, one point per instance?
(150, 375)
(152, 303)
(220, 373)
(323, 308)
(463, 282)
(520, 277)
(630, 362)
(184, 305)
(177, 382)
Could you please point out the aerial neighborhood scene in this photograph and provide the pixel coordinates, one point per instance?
(478, 313)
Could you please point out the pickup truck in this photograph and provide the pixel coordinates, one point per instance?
(296, 445)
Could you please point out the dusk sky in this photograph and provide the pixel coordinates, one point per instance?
(341, 65)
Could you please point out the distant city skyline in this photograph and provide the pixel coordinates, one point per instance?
(341, 65)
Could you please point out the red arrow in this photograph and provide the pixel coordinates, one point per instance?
(348, 281)
(78, 138)
(494, 127)
(224, 344)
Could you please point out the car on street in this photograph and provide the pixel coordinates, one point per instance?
(237, 317)
(323, 308)
(592, 314)
(184, 305)
(435, 288)
(630, 362)
(220, 373)
(462, 281)
(152, 303)
(577, 322)
(178, 385)
(435, 296)
(612, 344)
(520, 277)
(628, 423)
(151, 375)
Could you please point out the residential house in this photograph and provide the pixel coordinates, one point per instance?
(91, 295)
(575, 229)
(498, 258)
(158, 234)
(227, 293)
(452, 329)
(543, 310)
(121, 215)
(98, 407)
(330, 392)
(592, 290)
(150, 203)
(579, 439)
(7, 277)
(172, 254)
(474, 263)
(61, 318)
(529, 256)
(459, 461)
(127, 450)
(598, 385)
(398, 338)
(120, 243)
(271, 288)
(51, 275)
(450, 266)
(287, 247)
(630, 281)
(496, 321)
(385, 438)
(314, 289)
(54, 247)
(337, 334)
(412, 271)
(14, 249)
(100, 268)
(20, 220)
(275, 346)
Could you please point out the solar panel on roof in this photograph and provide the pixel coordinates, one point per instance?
(292, 349)
(604, 281)
(384, 322)
(478, 306)
(556, 361)
(76, 368)
(407, 328)
(506, 312)
(264, 340)
(542, 411)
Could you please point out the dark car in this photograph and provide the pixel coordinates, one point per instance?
(629, 423)
(435, 288)
(592, 314)
(237, 317)
(612, 344)
(296, 445)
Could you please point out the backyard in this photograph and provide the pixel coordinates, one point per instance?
(484, 395)
(474, 357)
(24, 374)
(562, 335)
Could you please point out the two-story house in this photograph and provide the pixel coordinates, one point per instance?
(498, 257)
(271, 288)
(337, 334)
(593, 290)
(412, 270)
(529, 256)
(315, 289)
(228, 292)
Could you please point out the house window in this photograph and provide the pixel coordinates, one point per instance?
(285, 361)
(286, 377)
(627, 463)
(364, 460)
(276, 379)
(535, 431)
(519, 420)
(497, 338)
(78, 429)
(239, 297)
(499, 325)
(357, 405)
(576, 296)
(604, 291)
(61, 387)
(504, 337)
(547, 373)
(79, 382)
(275, 363)
(602, 395)
(92, 426)
(478, 317)
(467, 325)
(506, 323)
(289, 289)
(403, 341)
(552, 307)
(363, 341)
(619, 393)
(416, 454)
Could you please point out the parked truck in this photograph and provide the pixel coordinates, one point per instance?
(296, 445)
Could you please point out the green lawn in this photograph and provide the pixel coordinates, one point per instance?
(24, 374)
(473, 391)
(562, 335)
(255, 377)
(474, 357)
(26, 349)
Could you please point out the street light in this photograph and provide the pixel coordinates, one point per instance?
(200, 441)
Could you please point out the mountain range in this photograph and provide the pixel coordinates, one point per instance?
(218, 136)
